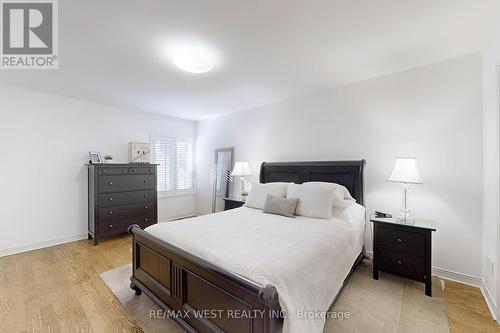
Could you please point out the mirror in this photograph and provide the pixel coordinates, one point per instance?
(223, 165)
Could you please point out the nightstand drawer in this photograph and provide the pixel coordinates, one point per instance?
(402, 241)
(402, 264)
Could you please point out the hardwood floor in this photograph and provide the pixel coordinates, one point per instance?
(58, 289)
(467, 310)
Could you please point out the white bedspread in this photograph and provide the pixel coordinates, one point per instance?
(306, 259)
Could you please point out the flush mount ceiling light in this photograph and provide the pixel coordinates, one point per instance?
(189, 54)
(194, 61)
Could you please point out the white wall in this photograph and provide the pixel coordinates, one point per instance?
(432, 113)
(45, 140)
(491, 180)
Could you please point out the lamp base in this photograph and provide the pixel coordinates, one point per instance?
(405, 217)
(243, 192)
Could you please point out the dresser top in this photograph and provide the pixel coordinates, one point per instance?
(120, 164)
(417, 223)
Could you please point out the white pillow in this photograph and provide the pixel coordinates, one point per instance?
(315, 200)
(342, 198)
(257, 196)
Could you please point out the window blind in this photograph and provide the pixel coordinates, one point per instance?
(164, 156)
(175, 164)
(184, 166)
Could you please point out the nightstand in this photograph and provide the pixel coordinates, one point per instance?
(230, 203)
(403, 249)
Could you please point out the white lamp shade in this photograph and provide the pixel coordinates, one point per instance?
(405, 171)
(241, 169)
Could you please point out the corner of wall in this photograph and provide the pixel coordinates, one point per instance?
(491, 178)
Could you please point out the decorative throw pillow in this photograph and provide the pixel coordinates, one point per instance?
(257, 196)
(280, 206)
(341, 196)
(314, 200)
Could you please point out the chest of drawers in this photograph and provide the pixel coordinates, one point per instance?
(120, 195)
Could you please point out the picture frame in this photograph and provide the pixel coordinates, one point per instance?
(139, 152)
(95, 157)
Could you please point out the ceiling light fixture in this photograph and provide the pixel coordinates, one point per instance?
(194, 60)
(191, 54)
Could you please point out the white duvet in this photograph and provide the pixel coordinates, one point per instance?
(306, 259)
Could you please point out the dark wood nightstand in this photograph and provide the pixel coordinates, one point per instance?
(230, 203)
(403, 249)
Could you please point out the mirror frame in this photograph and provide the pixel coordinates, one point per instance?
(221, 150)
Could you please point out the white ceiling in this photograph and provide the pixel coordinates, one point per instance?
(110, 51)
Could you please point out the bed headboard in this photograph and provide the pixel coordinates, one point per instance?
(346, 173)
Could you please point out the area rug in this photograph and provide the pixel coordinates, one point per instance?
(390, 304)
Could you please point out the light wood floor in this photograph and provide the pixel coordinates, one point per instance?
(467, 310)
(58, 289)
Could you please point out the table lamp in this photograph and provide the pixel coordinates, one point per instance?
(241, 169)
(405, 172)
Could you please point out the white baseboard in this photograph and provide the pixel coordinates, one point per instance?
(490, 301)
(40, 245)
(470, 280)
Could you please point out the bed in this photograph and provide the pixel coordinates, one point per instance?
(246, 271)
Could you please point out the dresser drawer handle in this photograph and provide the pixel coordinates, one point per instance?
(145, 207)
(110, 212)
(400, 262)
(145, 182)
(110, 199)
(400, 240)
(104, 171)
(110, 226)
(145, 219)
(124, 170)
(145, 195)
(110, 183)
(133, 170)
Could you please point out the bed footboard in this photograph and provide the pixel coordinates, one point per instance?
(200, 296)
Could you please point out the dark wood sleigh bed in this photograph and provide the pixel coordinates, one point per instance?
(181, 283)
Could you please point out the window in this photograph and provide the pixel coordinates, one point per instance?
(175, 164)
(184, 166)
